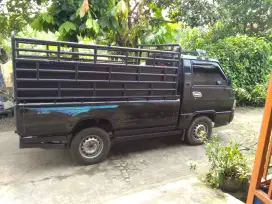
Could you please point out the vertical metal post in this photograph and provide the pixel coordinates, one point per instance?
(125, 90)
(165, 74)
(179, 69)
(73, 55)
(47, 48)
(136, 55)
(139, 73)
(95, 55)
(154, 58)
(17, 46)
(173, 56)
(58, 52)
(140, 55)
(110, 67)
(76, 74)
(126, 60)
(94, 90)
(37, 70)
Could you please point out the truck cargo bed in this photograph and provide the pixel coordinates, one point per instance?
(54, 71)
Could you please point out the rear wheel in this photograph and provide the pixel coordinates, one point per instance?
(200, 128)
(90, 146)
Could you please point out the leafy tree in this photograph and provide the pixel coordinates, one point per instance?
(16, 14)
(250, 17)
(122, 22)
(193, 12)
(245, 16)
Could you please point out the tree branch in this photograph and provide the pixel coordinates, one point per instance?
(163, 20)
(132, 11)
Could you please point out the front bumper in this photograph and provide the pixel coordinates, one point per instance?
(223, 118)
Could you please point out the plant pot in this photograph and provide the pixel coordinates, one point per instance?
(231, 184)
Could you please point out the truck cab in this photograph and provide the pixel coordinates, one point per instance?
(207, 89)
(108, 93)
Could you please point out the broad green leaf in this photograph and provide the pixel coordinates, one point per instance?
(48, 18)
(114, 23)
(95, 27)
(82, 27)
(71, 26)
(89, 23)
(122, 7)
(66, 27)
(36, 24)
(73, 17)
(104, 21)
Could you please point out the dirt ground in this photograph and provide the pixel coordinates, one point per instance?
(244, 130)
(51, 176)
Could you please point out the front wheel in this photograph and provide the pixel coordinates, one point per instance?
(90, 146)
(200, 128)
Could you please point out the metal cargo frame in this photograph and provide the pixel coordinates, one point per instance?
(56, 71)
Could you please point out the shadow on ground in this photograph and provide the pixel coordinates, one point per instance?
(119, 150)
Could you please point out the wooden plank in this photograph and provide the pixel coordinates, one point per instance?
(264, 138)
(267, 160)
(270, 190)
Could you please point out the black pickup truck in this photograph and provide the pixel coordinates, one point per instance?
(83, 97)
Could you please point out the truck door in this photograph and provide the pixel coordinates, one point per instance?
(210, 90)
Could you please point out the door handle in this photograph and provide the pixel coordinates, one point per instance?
(197, 94)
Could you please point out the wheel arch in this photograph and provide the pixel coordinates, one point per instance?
(102, 123)
(209, 114)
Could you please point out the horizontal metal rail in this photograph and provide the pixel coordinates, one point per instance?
(98, 102)
(98, 55)
(96, 97)
(82, 80)
(89, 89)
(158, 45)
(77, 45)
(91, 63)
(93, 72)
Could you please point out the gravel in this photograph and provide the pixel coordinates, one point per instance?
(7, 124)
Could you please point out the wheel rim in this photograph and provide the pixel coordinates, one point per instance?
(200, 131)
(91, 146)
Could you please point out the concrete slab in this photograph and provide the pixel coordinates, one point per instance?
(189, 191)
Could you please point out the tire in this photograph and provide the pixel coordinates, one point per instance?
(90, 146)
(194, 135)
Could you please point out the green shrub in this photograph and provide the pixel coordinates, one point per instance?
(246, 60)
(225, 160)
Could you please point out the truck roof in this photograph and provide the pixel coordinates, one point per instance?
(192, 57)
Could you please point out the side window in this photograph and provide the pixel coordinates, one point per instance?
(208, 74)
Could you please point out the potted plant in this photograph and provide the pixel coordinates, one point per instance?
(229, 169)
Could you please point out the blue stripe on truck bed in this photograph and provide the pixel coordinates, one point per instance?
(73, 110)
